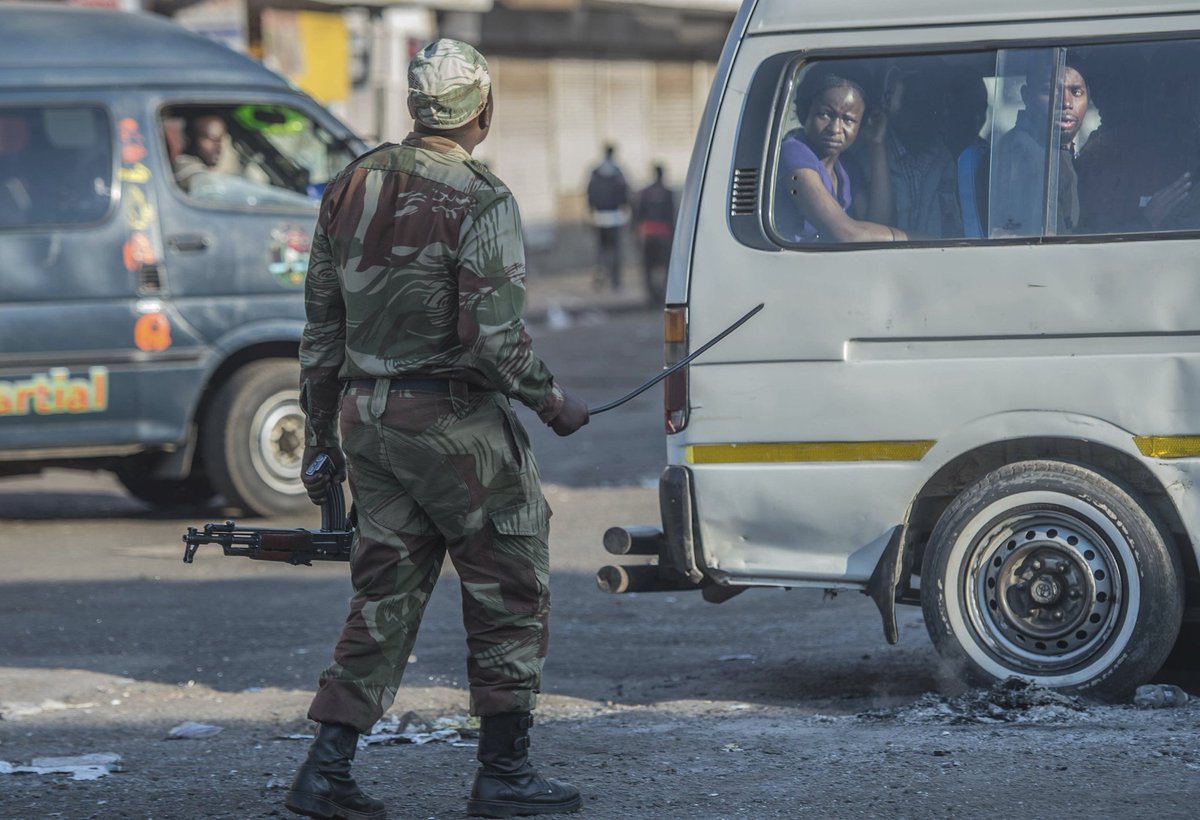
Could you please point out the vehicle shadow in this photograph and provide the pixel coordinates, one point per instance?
(276, 628)
(278, 631)
(74, 505)
(42, 500)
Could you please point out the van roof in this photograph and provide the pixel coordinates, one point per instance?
(788, 15)
(59, 45)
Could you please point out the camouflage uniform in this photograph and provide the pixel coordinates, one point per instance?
(417, 272)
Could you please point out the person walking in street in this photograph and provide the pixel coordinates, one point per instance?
(414, 344)
(654, 218)
(608, 201)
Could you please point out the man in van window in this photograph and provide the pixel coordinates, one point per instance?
(1135, 173)
(204, 140)
(1020, 157)
(415, 343)
(924, 184)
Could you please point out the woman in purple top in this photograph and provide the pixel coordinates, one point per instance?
(813, 194)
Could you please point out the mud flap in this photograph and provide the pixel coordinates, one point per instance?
(678, 518)
(884, 582)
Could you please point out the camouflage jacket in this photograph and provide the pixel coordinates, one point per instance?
(417, 269)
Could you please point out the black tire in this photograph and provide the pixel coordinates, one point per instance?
(1052, 572)
(136, 475)
(252, 439)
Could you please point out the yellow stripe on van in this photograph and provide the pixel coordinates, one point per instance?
(759, 453)
(1168, 446)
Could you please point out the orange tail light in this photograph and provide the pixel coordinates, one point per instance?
(675, 386)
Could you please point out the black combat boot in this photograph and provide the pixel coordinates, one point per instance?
(506, 784)
(323, 787)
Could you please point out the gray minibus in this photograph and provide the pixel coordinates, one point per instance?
(157, 196)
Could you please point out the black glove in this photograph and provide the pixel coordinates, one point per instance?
(572, 416)
(318, 485)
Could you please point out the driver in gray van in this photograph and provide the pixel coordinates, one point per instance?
(205, 136)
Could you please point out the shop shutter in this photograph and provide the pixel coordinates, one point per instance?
(674, 118)
(519, 149)
(578, 133)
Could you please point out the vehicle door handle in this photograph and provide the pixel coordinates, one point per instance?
(189, 242)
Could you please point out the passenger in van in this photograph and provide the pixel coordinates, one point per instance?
(1135, 171)
(923, 175)
(16, 203)
(1017, 200)
(969, 99)
(813, 193)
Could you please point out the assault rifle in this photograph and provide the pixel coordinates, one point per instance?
(298, 546)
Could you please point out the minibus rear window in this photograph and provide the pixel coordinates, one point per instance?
(56, 165)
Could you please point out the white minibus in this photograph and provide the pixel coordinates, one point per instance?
(975, 383)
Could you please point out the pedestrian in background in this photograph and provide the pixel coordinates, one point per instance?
(654, 219)
(608, 201)
(414, 344)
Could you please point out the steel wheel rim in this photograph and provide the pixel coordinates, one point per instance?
(277, 442)
(1043, 589)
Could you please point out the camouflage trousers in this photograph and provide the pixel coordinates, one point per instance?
(433, 475)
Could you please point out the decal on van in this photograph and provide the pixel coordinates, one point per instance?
(290, 246)
(152, 332)
(139, 213)
(55, 393)
(138, 172)
(138, 252)
(133, 146)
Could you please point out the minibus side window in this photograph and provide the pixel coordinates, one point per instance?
(56, 165)
(894, 174)
(251, 155)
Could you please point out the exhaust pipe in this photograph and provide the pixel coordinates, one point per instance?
(637, 540)
(639, 578)
(657, 576)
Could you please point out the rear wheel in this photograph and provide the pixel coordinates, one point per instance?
(1052, 572)
(253, 439)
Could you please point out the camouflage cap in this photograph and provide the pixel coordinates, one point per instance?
(448, 84)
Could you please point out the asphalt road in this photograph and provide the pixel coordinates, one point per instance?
(773, 704)
(603, 358)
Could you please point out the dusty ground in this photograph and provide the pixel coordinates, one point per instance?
(773, 704)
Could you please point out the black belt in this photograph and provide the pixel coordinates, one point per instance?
(443, 386)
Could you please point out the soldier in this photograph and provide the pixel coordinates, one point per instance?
(415, 338)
